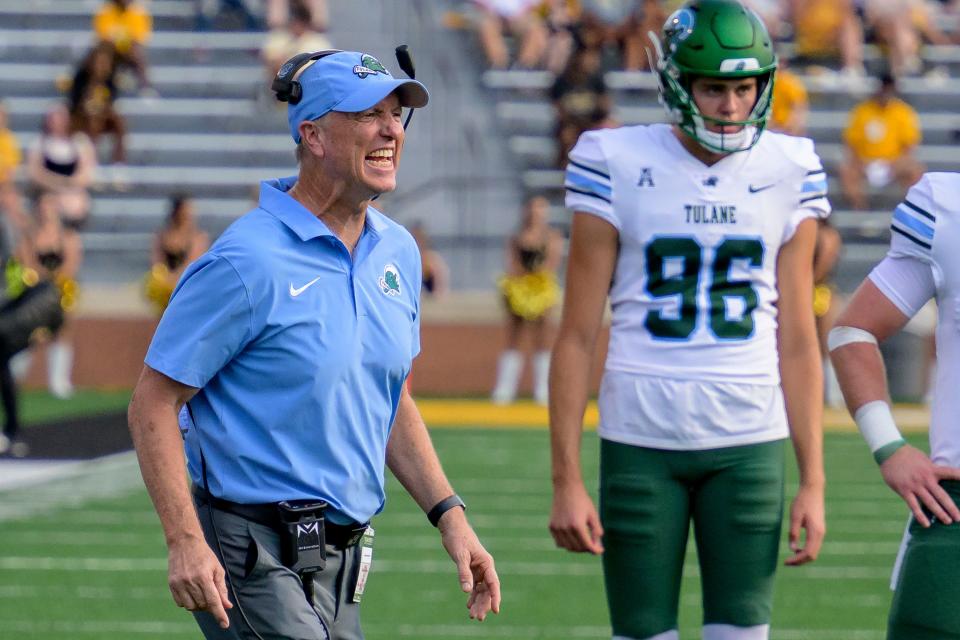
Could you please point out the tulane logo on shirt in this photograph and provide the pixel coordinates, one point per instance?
(390, 281)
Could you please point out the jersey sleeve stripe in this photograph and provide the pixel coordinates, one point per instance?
(583, 182)
(821, 196)
(585, 167)
(925, 214)
(910, 237)
(591, 176)
(903, 216)
(815, 172)
(810, 186)
(587, 193)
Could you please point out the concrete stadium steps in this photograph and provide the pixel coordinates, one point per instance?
(826, 92)
(169, 115)
(56, 46)
(168, 15)
(541, 152)
(171, 81)
(536, 118)
(132, 214)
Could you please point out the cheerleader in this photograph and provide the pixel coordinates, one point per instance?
(53, 253)
(530, 290)
(175, 246)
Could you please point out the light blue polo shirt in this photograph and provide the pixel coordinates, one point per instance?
(300, 352)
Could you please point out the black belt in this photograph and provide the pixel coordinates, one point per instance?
(268, 514)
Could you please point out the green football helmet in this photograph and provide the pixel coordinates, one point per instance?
(717, 39)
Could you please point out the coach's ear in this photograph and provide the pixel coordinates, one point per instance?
(312, 138)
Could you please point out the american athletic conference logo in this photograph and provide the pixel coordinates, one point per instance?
(390, 281)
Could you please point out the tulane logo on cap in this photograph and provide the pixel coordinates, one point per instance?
(369, 66)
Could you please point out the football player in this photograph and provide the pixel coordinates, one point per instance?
(702, 233)
(922, 263)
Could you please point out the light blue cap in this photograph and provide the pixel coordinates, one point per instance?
(349, 81)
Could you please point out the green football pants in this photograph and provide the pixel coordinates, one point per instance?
(734, 495)
(926, 604)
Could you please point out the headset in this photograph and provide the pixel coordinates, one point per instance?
(289, 90)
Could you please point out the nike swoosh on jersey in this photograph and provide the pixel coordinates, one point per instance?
(754, 189)
(296, 292)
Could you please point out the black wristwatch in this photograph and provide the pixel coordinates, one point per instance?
(442, 507)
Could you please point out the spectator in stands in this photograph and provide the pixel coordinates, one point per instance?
(55, 252)
(529, 290)
(127, 25)
(520, 19)
(435, 274)
(624, 24)
(175, 246)
(91, 101)
(250, 11)
(295, 37)
(900, 26)
(881, 135)
(279, 12)
(827, 31)
(62, 163)
(10, 158)
(580, 100)
(791, 105)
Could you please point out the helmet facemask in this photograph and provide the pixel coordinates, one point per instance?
(675, 79)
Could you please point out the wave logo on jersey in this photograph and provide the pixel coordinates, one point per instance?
(390, 281)
(369, 66)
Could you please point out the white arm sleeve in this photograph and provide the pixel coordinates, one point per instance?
(907, 281)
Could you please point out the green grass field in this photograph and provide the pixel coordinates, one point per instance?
(94, 567)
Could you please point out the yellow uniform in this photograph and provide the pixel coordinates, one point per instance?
(123, 28)
(10, 157)
(816, 28)
(877, 132)
(789, 94)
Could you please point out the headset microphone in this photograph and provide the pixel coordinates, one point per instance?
(405, 60)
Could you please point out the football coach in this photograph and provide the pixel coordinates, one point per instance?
(280, 366)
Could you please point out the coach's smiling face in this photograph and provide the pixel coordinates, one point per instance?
(362, 150)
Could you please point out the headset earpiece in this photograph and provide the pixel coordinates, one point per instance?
(284, 85)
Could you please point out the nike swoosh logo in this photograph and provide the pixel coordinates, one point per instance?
(295, 292)
(754, 189)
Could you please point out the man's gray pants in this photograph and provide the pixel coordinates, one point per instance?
(268, 598)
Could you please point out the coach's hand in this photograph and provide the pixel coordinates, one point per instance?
(196, 579)
(916, 478)
(478, 577)
(574, 522)
(807, 513)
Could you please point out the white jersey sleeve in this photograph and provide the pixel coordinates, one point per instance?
(914, 222)
(587, 182)
(812, 199)
(907, 275)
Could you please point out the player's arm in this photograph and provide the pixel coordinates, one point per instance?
(196, 578)
(870, 318)
(594, 244)
(413, 460)
(802, 381)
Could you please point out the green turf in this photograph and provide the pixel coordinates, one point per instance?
(97, 570)
(39, 406)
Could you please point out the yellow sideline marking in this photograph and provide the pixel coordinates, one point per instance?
(460, 414)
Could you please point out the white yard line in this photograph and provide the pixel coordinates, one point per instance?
(33, 488)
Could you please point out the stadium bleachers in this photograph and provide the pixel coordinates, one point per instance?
(524, 112)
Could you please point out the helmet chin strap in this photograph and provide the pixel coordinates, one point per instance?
(723, 142)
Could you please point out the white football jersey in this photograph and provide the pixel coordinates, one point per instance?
(694, 288)
(926, 230)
